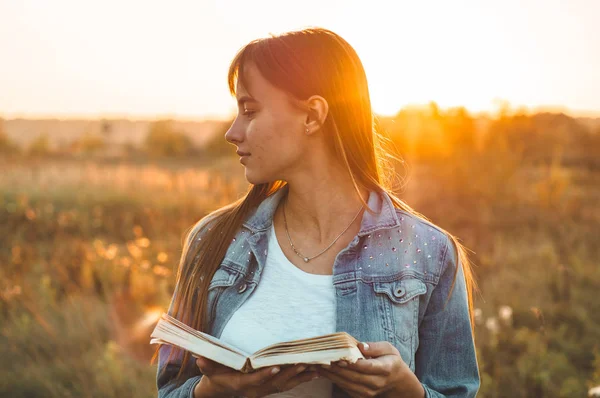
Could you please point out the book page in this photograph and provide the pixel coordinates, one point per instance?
(326, 357)
(334, 340)
(304, 348)
(204, 336)
(176, 333)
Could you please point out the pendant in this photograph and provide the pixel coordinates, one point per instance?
(305, 259)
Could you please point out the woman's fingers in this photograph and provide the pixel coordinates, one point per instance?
(259, 377)
(285, 375)
(366, 366)
(205, 365)
(290, 378)
(349, 386)
(299, 379)
(377, 349)
(352, 386)
(373, 381)
(376, 366)
(266, 381)
(243, 383)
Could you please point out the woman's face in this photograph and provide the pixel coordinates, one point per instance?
(268, 130)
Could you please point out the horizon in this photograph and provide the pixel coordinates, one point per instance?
(140, 61)
(513, 110)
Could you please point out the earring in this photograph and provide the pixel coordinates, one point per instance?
(306, 132)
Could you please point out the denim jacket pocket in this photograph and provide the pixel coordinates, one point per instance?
(401, 305)
(222, 279)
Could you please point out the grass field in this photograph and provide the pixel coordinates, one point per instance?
(89, 248)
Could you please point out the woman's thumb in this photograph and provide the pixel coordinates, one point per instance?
(376, 349)
(203, 365)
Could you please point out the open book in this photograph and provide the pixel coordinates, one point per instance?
(315, 350)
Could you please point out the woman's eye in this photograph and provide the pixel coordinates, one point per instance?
(248, 112)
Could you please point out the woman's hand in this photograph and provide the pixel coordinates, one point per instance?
(220, 381)
(382, 373)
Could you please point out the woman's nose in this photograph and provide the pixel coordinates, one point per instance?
(234, 134)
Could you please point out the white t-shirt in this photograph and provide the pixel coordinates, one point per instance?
(287, 304)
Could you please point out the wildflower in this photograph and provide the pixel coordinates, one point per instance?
(161, 270)
(478, 316)
(111, 252)
(135, 251)
(9, 293)
(125, 262)
(492, 325)
(30, 214)
(505, 314)
(138, 231)
(143, 242)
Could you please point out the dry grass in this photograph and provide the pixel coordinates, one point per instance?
(89, 248)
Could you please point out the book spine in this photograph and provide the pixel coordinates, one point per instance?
(247, 368)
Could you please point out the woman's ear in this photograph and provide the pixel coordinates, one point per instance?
(318, 108)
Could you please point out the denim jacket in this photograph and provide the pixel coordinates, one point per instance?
(391, 284)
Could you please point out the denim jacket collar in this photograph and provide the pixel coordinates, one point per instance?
(385, 213)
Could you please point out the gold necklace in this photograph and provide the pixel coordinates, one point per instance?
(306, 258)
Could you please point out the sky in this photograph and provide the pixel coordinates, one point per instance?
(146, 59)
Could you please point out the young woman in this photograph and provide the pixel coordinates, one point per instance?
(319, 244)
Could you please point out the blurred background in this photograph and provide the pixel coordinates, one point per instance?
(111, 147)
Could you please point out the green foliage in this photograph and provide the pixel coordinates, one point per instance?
(217, 146)
(66, 351)
(162, 140)
(6, 145)
(39, 146)
(433, 134)
(89, 143)
(81, 276)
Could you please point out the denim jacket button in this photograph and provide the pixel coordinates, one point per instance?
(399, 291)
(242, 288)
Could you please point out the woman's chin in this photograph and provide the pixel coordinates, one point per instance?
(254, 178)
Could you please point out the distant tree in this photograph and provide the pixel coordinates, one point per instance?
(459, 127)
(6, 145)
(162, 140)
(106, 128)
(538, 136)
(217, 146)
(129, 148)
(89, 143)
(40, 146)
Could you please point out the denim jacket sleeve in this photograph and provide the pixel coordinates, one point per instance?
(445, 362)
(167, 388)
(166, 371)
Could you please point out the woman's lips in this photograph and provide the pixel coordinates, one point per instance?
(243, 156)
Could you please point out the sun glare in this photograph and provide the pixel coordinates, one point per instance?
(150, 318)
(415, 54)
